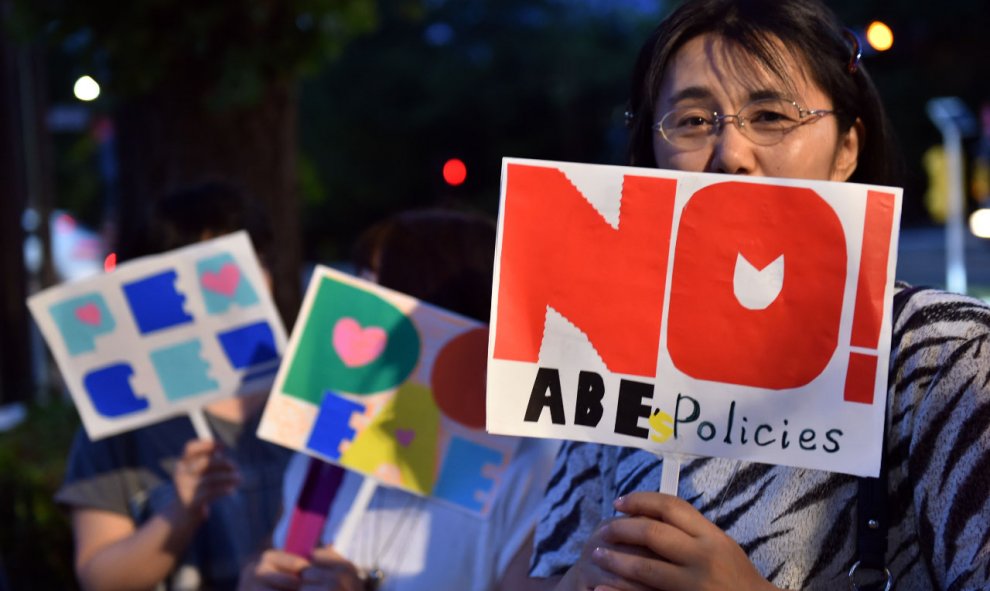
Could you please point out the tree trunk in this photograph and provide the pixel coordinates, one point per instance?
(25, 167)
(13, 316)
(171, 137)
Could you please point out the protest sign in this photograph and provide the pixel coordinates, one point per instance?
(163, 335)
(691, 313)
(386, 385)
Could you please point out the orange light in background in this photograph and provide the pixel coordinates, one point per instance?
(454, 172)
(110, 263)
(879, 36)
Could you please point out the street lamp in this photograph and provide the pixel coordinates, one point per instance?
(954, 121)
(86, 89)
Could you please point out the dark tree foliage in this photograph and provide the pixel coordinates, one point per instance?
(483, 79)
(204, 90)
(476, 80)
(238, 46)
(940, 49)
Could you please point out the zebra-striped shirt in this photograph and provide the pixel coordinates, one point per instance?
(798, 525)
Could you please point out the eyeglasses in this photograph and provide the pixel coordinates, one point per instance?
(764, 122)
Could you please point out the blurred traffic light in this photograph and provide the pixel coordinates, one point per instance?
(454, 172)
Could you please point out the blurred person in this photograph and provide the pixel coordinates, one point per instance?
(200, 211)
(445, 258)
(775, 88)
(157, 508)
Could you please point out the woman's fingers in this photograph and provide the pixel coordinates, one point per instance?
(202, 457)
(661, 539)
(591, 573)
(330, 571)
(273, 560)
(637, 572)
(669, 509)
(277, 569)
(196, 447)
(689, 551)
(204, 474)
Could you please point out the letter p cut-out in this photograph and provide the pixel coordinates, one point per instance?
(81, 320)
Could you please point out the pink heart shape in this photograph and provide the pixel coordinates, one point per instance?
(89, 314)
(223, 281)
(357, 346)
(405, 436)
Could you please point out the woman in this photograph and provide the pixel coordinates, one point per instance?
(775, 88)
(408, 543)
(156, 508)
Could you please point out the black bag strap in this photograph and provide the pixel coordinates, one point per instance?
(871, 525)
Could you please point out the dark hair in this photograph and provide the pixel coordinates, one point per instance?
(207, 209)
(809, 29)
(443, 257)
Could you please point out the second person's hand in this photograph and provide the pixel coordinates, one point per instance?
(202, 475)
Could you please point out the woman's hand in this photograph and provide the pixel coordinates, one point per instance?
(203, 475)
(329, 571)
(666, 544)
(589, 572)
(278, 570)
(275, 570)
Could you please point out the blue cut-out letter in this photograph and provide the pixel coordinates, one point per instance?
(110, 391)
(249, 345)
(182, 371)
(460, 479)
(332, 426)
(155, 303)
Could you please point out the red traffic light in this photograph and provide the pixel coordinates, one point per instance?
(454, 172)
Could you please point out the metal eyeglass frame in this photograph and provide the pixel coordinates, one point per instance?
(805, 116)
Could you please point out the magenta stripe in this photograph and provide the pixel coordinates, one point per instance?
(313, 506)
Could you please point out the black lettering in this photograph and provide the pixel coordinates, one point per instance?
(546, 393)
(630, 408)
(783, 438)
(728, 426)
(742, 433)
(695, 413)
(756, 435)
(707, 427)
(590, 391)
(835, 443)
(807, 436)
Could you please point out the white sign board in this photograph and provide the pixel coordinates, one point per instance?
(694, 313)
(383, 384)
(163, 335)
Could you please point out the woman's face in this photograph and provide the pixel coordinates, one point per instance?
(706, 72)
